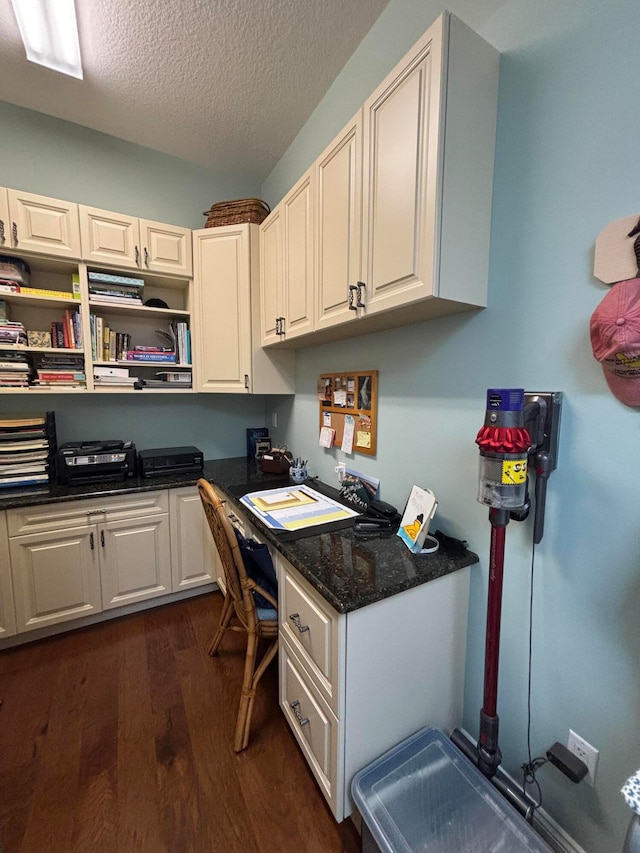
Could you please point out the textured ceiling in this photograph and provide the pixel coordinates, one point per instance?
(223, 83)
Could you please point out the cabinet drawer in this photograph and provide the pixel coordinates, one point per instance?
(313, 630)
(314, 725)
(46, 517)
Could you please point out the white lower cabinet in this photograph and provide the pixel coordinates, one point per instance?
(56, 576)
(354, 685)
(135, 560)
(7, 610)
(194, 558)
(78, 558)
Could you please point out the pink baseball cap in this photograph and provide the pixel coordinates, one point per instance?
(615, 339)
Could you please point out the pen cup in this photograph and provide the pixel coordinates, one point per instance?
(298, 475)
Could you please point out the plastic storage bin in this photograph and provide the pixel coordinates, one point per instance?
(425, 795)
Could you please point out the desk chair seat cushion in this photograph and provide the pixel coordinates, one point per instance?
(259, 567)
(267, 614)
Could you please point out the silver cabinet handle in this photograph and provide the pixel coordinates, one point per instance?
(102, 538)
(14, 230)
(296, 710)
(295, 618)
(360, 286)
(2, 237)
(137, 256)
(246, 381)
(352, 305)
(146, 258)
(91, 542)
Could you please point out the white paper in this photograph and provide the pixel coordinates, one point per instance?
(347, 435)
(326, 437)
(339, 398)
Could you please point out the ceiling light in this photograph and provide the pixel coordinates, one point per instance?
(50, 34)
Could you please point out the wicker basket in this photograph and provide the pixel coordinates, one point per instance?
(234, 212)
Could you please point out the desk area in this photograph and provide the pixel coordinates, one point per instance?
(377, 646)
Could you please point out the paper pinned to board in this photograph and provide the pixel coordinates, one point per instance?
(327, 436)
(347, 435)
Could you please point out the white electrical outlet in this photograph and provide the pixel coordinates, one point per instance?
(340, 469)
(586, 753)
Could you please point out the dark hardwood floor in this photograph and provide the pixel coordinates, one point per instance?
(119, 737)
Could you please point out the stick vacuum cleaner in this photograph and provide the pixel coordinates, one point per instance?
(506, 444)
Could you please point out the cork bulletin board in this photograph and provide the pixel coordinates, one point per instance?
(348, 404)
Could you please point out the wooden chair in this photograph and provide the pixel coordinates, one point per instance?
(257, 622)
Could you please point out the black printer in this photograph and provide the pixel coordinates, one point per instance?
(170, 460)
(95, 461)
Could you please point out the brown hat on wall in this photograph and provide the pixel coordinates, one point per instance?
(615, 339)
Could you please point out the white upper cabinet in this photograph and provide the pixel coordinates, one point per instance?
(403, 208)
(141, 244)
(339, 226)
(286, 265)
(166, 248)
(271, 277)
(42, 225)
(298, 230)
(429, 137)
(229, 358)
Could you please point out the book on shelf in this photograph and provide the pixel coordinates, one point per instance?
(7, 286)
(61, 375)
(158, 357)
(112, 278)
(44, 291)
(110, 299)
(175, 377)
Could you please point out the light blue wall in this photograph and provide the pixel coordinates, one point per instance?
(51, 157)
(566, 164)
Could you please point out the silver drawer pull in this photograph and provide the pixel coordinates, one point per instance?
(296, 710)
(295, 618)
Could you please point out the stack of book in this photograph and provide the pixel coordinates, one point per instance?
(12, 332)
(27, 450)
(15, 369)
(144, 354)
(110, 289)
(67, 333)
(113, 377)
(61, 371)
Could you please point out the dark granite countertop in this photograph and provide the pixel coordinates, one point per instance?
(349, 571)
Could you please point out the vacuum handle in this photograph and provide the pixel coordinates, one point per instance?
(543, 470)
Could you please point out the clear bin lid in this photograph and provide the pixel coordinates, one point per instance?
(425, 795)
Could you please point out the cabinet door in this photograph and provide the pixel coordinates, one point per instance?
(135, 560)
(400, 166)
(5, 225)
(223, 309)
(298, 213)
(7, 611)
(166, 248)
(55, 576)
(109, 237)
(43, 225)
(194, 558)
(339, 225)
(271, 276)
